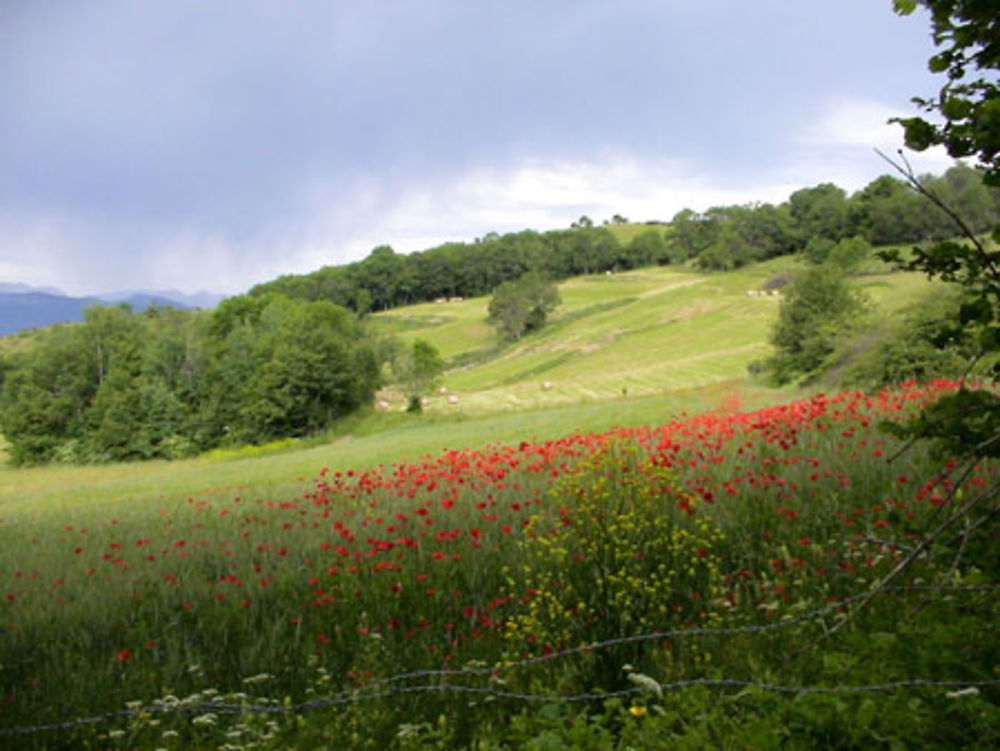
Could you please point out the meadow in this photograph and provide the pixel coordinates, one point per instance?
(652, 553)
(703, 582)
(644, 332)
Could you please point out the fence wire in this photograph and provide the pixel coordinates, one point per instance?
(390, 686)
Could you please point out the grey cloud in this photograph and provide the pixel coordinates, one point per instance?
(140, 121)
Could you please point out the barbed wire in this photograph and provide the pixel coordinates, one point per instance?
(388, 687)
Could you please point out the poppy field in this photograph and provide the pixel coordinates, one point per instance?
(504, 596)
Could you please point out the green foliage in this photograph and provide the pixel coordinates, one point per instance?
(418, 370)
(648, 248)
(817, 310)
(966, 423)
(728, 237)
(966, 31)
(926, 343)
(521, 307)
(387, 280)
(821, 211)
(167, 384)
(818, 249)
(967, 124)
(849, 253)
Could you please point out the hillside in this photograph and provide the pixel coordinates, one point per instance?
(676, 340)
(585, 588)
(637, 333)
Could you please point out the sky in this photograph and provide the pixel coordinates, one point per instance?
(215, 144)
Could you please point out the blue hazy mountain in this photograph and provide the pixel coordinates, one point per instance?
(25, 307)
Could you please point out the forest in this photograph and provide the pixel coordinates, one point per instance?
(170, 384)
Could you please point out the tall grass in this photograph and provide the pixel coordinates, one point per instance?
(489, 557)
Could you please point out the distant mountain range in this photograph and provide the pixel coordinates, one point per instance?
(26, 307)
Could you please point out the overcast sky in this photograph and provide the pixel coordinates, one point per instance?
(213, 144)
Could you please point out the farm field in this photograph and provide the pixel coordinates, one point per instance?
(649, 331)
(343, 407)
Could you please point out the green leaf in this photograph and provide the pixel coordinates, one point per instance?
(892, 255)
(956, 108)
(939, 63)
(989, 339)
(904, 7)
(919, 133)
(978, 311)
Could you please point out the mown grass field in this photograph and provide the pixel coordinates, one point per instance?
(644, 332)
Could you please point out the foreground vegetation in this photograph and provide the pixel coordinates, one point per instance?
(685, 586)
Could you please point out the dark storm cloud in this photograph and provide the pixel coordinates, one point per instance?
(130, 124)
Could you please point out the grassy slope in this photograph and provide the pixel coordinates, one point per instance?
(644, 332)
(676, 340)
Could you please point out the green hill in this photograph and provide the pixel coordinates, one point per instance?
(638, 333)
(674, 340)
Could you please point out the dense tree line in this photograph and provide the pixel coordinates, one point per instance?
(386, 279)
(168, 384)
(886, 211)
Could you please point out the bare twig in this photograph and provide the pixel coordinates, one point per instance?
(907, 172)
(886, 543)
(866, 599)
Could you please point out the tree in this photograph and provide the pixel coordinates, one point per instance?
(522, 306)
(822, 210)
(648, 248)
(923, 345)
(690, 234)
(45, 395)
(417, 370)
(817, 310)
(310, 365)
(887, 211)
(969, 106)
(967, 111)
(849, 253)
